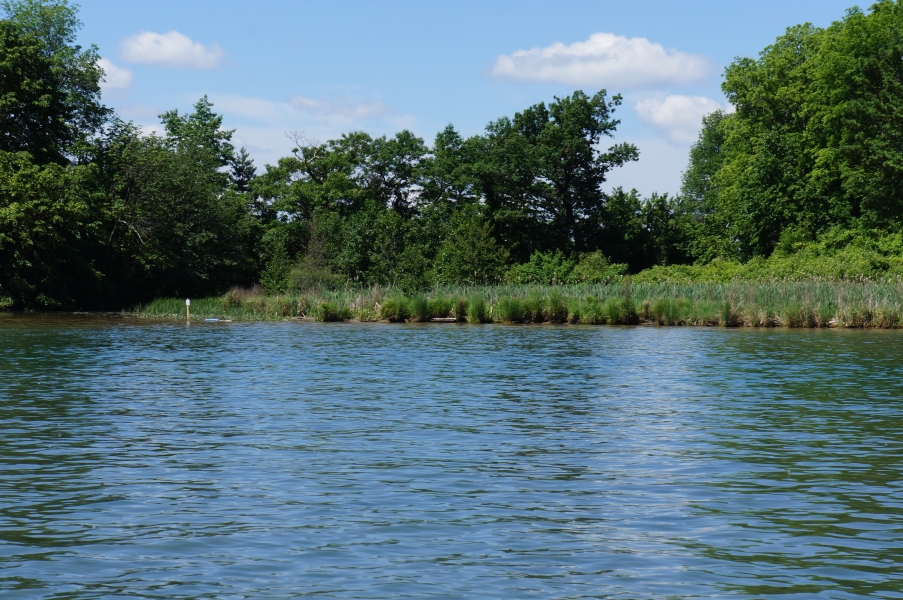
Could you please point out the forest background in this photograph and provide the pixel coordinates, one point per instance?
(801, 179)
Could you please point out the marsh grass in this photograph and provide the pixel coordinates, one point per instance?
(477, 311)
(441, 307)
(589, 311)
(396, 309)
(461, 309)
(510, 310)
(331, 312)
(668, 311)
(534, 308)
(813, 304)
(556, 308)
(420, 310)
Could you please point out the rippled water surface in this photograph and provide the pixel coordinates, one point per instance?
(149, 460)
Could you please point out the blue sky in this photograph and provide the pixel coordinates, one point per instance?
(324, 68)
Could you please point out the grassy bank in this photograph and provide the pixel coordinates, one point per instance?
(851, 304)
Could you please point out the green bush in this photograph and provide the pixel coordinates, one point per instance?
(557, 311)
(331, 312)
(470, 253)
(595, 268)
(395, 310)
(543, 267)
(440, 308)
(534, 309)
(837, 254)
(303, 279)
(419, 309)
(510, 310)
(476, 310)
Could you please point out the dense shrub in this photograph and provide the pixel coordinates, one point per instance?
(594, 267)
(419, 309)
(396, 309)
(545, 268)
(838, 254)
(477, 311)
(330, 311)
(510, 310)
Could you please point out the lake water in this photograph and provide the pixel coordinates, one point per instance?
(280, 460)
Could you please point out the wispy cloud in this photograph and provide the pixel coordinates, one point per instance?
(605, 60)
(345, 108)
(677, 118)
(261, 125)
(172, 49)
(114, 78)
(139, 112)
(340, 112)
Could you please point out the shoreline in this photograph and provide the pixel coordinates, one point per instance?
(809, 305)
(818, 304)
(776, 324)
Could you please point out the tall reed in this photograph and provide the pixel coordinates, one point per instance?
(817, 303)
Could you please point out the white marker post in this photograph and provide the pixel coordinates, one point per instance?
(187, 310)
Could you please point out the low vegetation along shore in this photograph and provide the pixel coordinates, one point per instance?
(812, 304)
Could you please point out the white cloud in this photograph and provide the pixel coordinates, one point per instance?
(266, 144)
(677, 118)
(261, 125)
(256, 109)
(171, 49)
(300, 109)
(138, 112)
(343, 108)
(114, 78)
(605, 60)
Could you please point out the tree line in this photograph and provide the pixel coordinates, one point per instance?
(815, 143)
(96, 214)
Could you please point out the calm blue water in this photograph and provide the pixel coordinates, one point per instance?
(142, 460)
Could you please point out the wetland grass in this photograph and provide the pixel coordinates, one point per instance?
(396, 309)
(813, 304)
(510, 310)
(477, 311)
(420, 310)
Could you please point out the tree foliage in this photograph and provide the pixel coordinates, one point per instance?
(49, 86)
(172, 224)
(469, 253)
(95, 213)
(46, 223)
(541, 173)
(816, 140)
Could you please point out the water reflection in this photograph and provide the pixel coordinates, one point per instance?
(369, 461)
(808, 433)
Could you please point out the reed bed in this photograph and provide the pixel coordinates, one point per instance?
(813, 304)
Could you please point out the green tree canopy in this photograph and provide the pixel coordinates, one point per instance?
(49, 86)
(200, 134)
(470, 253)
(46, 233)
(542, 171)
(816, 140)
